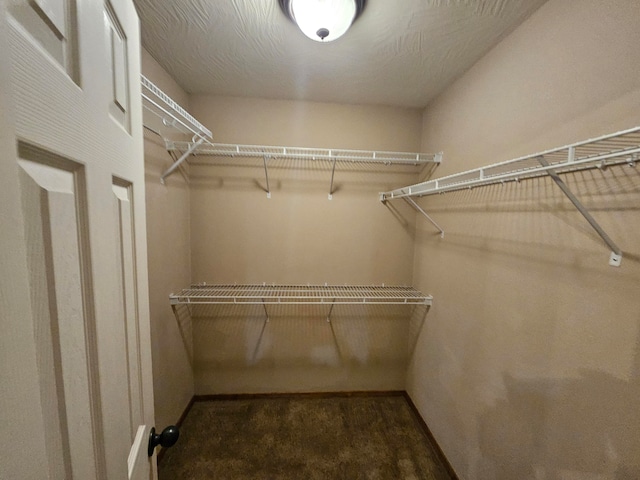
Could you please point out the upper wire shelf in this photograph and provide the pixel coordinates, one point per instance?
(617, 148)
(170, 113)
(601, 152)
(300, 294)
(423, 164)
(301, 153)
(171, 118)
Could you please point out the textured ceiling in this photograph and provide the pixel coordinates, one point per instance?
(398, 52)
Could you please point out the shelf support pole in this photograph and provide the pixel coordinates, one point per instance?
(178, 162)
(330, 310)
(335, 340)
(616, 254)
(266, 174)
(410, 201)
(333, 171)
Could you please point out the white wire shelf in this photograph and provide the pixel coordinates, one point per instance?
(301, 153)
(332, 160)
(169, 117)
(617, 148)
(602, 152)
(299, 294)
(169, 112)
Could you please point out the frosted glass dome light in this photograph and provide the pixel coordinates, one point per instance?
(323, 20)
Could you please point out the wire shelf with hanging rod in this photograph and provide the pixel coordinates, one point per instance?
(255, 294)
(170, 114)
(620, 148)
(170, 119)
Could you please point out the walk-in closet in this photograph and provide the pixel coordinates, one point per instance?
(243, 239)
(507, 215)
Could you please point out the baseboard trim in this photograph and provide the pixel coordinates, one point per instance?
(252, 396)
(178, 424)
(443, 458)
(185, 412)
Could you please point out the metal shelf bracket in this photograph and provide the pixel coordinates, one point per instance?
(615, 258)
(266, 173)
(330, 310)
(410, 201)
(178, 162)
(333, 171)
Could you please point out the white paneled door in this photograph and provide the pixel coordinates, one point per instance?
(76, 395)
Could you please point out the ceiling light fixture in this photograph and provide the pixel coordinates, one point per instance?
(323, 20)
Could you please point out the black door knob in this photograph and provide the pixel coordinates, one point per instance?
(167, 438)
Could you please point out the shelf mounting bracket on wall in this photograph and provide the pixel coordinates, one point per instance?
(266, 313)
(178, 162)
(330, 310)
(333, 171)
(266, 174)
(616, 254)
(411, 202)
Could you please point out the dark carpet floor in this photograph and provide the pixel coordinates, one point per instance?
(299, 438)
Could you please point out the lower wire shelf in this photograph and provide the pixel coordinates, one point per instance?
(300, 294)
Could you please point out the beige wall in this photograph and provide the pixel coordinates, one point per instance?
(529, 363)
(299, 236)
(169, 254)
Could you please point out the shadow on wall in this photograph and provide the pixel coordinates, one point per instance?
(534, 221)
(402, 212)
(548, 428)
(183, 319)
(302, 347)
(527, 306)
